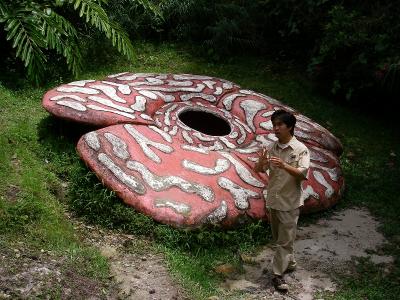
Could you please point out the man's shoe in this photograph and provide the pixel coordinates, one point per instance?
(280, 284)
(291, 269)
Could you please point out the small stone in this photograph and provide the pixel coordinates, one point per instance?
(225, 269)
(108, 251)
(247, 259)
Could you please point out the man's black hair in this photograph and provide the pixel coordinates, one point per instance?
(286, 117)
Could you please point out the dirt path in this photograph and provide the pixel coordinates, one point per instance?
(322, 250)
(140, 274)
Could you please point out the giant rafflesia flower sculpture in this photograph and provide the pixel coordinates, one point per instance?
(182, 148)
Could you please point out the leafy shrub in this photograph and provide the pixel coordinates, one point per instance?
(357, 57)
(35, 28)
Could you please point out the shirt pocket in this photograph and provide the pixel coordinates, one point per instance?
(293, 159)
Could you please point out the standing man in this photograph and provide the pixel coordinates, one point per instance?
(288, 161)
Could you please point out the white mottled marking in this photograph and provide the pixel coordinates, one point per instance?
(251, 108)
(123, 88)
(92, 140)
(144, 143)
(268, 113)
(196, 89)
(239, 194)
(207, 97)
(146, 117)
(162, 76)
(130, 181)
(80, 82)
(187, 137)
(203, 138)
(233, 134)
(248, 150)
(99, 108)
(120, 148)
(308, 192)
(242, 171)
(109, 103)
(314, 155)
(242, 132)
(229, 99)
(161, 183)
(149, 81)
(180, 208)
(180, 83)
(148, 94)
(158, 123)
(267, 125)
(72, 104)
(74, 97)
(109, 91)
(164, 135)
(321, 179)
(81, 90)
(221, 166)
(227, 143)
(217, 146)
(333, 173)
(253, 159)
(190, 77)
(193, 148)
(227, 85)
(209, 83)
(174, 130)
(219, 214)
(140, 104)
(264, 141)
(168, 112)
(239, 122)
(116, 75)
(218, 91)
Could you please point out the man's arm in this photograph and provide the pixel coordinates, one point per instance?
(300, 172)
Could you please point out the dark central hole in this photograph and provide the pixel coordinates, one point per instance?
(205, 122)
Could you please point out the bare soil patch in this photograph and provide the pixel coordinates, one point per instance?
(322, 250)
(138, 271)
(33, 274)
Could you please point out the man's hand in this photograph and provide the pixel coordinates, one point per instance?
(263, 160)
(277, 162)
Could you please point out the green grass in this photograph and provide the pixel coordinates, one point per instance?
(38, 157)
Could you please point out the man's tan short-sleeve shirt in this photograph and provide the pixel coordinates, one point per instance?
(284, 190)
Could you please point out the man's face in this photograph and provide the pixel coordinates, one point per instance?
(282, 132)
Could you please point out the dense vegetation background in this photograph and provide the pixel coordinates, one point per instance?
(290, 50)
(350, 49)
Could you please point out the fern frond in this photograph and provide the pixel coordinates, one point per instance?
(26, 38)
(61, 36)
(96, 15)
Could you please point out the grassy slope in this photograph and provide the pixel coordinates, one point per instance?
(38, 154)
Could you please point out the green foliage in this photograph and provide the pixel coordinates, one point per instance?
(350, 48)
(140, 18)
(37, 154)
(358, 53)
(35, 27)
